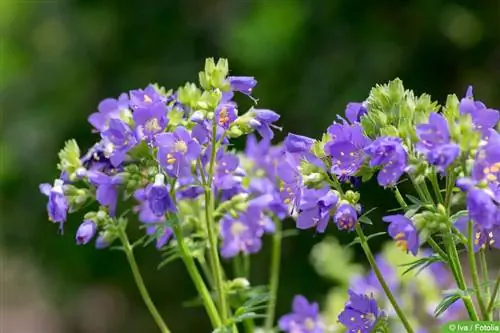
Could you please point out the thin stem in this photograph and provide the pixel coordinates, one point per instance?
(197, 279)
(275, 276)
(139, 281)
(474, 271)
(435, 246)
(457, 269)
(484, 272)
(436, 188)
(239, 272)
(450, 183)
(211, 228)
(494, 295)
(376, 270)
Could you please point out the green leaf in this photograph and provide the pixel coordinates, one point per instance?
(375, 235)
(289, 233)
(412, 210)
(365, 220)
(447, 301)
(415, 200)
(354, 242)
(422, 263)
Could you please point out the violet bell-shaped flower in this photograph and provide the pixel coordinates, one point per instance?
(403, 231)
(304, 318)
(483, 118)
(159, 198)
(108, 109)
(57, 206)
(85, 232)
(262, 121)
(360, 314)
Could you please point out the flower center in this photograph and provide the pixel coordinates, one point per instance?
(147, 99)
(238, 228)
(401, 242)
(180, 146)
(152, 125)
(309, 324)
(223, 117)
(170, 159)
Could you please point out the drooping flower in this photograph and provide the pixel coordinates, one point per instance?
(243, 84)
(240, 234)
(304, 318)
(403, 231)
(176, 152)
(118, 138)
(483, 118)
(360, 314)
(85, 232)
(159, 198)
(389, 153)
(108, 109)
(96, 158)
(346, 148)
(291, 184)
(354, 111)
(163, 234)
(262, 121)
(346, 217)
(487, 160)
(481, 208)
(57, 206)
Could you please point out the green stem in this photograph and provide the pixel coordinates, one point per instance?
(484, 273)
(211, 229)
(275, 276)
(139, 281)
(435, 246)
(436, 188)
(494, 295)
(376, 270)
(239, 271)
(457, 269)
(450, 184)
(474, 271)
(197, 279)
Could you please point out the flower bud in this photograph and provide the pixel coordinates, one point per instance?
(159, 198)
(85, 232)
(197, 117)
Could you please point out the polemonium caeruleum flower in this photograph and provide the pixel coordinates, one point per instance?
(403, 231)
(150, 120)
(435, 143)
(85, 232)
(108, 109)
(57, 206)
(225, 114)
(119, 138)
(107, 189)
(176, 152)
(262, 121)
(316, 208)
(304, 318)
(354, 111)
(388, 153)
(483, 118)
(243, 84)
(360, 313)
(291, 184)
(346, 148)
(159, 198)
(346, 217)
(145, 98)
(240, 234)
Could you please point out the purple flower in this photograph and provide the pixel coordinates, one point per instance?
(354, 111)
(119, 139)
(162, 234)
(151, 120)
(57, 206)
(243, 84)
(101, 242)
(315, 209)
(304, 317)
(85, 232)
(262, 122)
(435, 142)
(297, 143)
(225, 114)
(402, 230)
(176, 152)
(346, 217)
(108, 109)
(481, 208)
(240, 234)
(96, 159)
(290, 181)
(225, 166)
(188, 188)
(144, 99)
(159, 198)
(483, 118)
(107, 189)
(360, 314)
(483, 237)
(389, 153)
(487, 161)
(256, 208)
(346, 149)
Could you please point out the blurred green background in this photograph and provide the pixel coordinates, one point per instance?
(59, 58)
